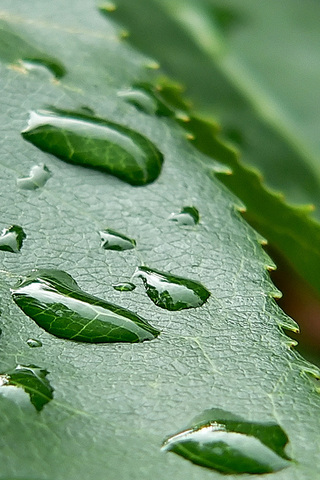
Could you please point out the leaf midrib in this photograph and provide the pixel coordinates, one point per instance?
(236, 73)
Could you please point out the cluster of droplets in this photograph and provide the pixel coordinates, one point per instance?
(52, 298)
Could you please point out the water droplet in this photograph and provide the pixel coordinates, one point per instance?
(38, 177)
(32, 380)
(188, 216)
(170, 291)
(11, 239)
(111, 240)
(34, 343)
(139, 99)
(54, 301)
(54, 67)
(124, 287)
(159, 105)
(13, 48)
(93, 142)
(222, 441)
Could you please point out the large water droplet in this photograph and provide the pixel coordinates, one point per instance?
(34, 343)
(38, 177)
(12, 238)
(222, 441)
(112, 240)
(188, 216)
(93, 142)
(124, 286)
(54, 301)
(170, 291)
(32, 380)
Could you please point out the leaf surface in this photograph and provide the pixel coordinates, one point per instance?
(114, 404)
(243, 64)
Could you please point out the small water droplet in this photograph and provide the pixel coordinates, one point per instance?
(34, 343)
(141, 100)
(38, 177)
(38, 66)
(227, 443)
(93, 142)
(11, 239)
(188, 216)
(112, 240)
(55, 302)
(170, 291)
(124, 287)
(13, 48)
(32, 380)
(54, 67)
(160, 106)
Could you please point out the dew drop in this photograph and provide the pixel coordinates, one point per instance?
(112, 240)
(227, 443)
(170, 291)
(159, 105)
(124, 287)
(188, 216)
(89, 141)
(32, 380)
(38, 177)
(141, 100)
(34, 343)
(11, 239)
(13, 48)
(54, 301)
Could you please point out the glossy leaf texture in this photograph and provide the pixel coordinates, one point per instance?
(115, 403)
(264, 115)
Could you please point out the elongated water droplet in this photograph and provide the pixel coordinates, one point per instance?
(170, 291)
(141, 100)
(32, 380)
(93, 142)
(112, 240)
(124, 287)
(12, 238)
(34, 343)
(222, 441)
(188, 216)
(38, 177)
(54, 301)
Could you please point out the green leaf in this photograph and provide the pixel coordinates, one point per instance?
(115, 403)
(247, 75)
(262, 114)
